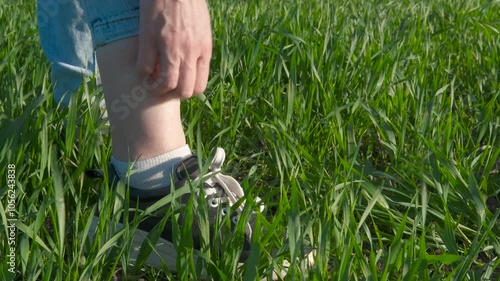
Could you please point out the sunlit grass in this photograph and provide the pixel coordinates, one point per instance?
(371, 131)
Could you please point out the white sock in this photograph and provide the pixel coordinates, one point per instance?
(153, 172)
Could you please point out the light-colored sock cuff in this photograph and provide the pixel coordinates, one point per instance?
(153, 172)
(180, 152)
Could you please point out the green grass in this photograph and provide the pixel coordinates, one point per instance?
(370, 129)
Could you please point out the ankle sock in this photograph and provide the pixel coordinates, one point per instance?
(153, 172)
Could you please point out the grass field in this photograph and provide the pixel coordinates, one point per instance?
(370, 129)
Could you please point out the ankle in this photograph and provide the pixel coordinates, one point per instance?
(151, 173)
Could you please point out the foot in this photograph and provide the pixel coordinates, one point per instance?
(221, 192)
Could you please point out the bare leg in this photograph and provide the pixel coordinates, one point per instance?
(144, 121)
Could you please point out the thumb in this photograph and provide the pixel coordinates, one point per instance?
(146, 58)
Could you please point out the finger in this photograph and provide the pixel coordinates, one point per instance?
(146, 58)
(187, 79)
(168, 74)
(202, 72)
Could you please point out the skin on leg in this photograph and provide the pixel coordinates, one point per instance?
(145, 120)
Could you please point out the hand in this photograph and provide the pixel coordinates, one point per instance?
(175, 45)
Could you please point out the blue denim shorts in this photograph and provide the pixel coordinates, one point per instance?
(71, 30)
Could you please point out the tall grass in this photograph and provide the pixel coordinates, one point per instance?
(371, 130)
